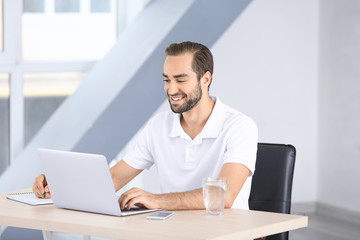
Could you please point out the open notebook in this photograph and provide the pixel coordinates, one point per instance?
(82, 181)
(28, 198)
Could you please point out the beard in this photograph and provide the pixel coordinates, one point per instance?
(192, 99)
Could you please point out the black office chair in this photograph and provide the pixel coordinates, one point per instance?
(272, 181)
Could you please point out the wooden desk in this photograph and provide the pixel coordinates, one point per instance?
(195, 224)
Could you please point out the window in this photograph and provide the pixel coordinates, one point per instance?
(67, 6)
(53, 40)
(43, 94)
(4, 121)
(100, 6)
(68, 30)
(34, 6)
(1, 27)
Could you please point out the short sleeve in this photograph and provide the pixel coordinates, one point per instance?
(140, 156)
(242, 143)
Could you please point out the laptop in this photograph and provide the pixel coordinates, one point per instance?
(82, 181)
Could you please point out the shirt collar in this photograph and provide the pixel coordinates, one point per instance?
(212, 127)
(176, 129)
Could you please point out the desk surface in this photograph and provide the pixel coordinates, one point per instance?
(194, 224)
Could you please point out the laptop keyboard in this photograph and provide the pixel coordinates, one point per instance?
(134, 209)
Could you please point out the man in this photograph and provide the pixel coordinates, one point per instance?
(201, 138)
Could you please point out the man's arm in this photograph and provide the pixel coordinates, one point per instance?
(170, 201)
(122, 173)
(235, 173)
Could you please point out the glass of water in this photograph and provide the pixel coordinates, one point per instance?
(214, 190)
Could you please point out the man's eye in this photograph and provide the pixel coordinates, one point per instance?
(180, 81)
(166, 80)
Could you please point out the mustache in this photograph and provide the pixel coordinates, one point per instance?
(176, 94)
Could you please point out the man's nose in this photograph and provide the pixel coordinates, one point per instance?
(172, 89)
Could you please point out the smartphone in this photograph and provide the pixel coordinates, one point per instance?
(161, 215)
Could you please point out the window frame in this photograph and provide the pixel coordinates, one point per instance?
(11, 59)
(11, 62)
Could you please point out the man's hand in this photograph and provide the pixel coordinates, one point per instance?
(140, 198)
(170, 201)
(38, 187)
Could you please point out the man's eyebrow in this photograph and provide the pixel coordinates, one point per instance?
(181, 75)
(176, 76)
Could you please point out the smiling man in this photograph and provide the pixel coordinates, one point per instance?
(201, 137)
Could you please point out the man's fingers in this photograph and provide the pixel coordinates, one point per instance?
(126, 197)
(47, 195)
(34, 189)
(138, 197)
(47, 192)
(133, 202)
(38, 187)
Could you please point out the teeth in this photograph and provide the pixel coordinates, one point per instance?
(177, 98)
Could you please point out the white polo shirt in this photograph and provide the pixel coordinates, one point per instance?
(227, 137)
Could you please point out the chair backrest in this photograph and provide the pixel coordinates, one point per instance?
(272, 181)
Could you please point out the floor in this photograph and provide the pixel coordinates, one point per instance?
(322, 227)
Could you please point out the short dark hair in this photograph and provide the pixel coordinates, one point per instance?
(202, 57)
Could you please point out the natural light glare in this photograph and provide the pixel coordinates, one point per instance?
(67, 36)
(1, 27)
(4, 85)
(51, 84)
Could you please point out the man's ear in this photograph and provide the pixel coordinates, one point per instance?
(206, 79)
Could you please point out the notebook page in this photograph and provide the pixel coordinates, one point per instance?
(28, 198)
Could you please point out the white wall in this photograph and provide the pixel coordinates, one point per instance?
(339, 125)
(266, 67)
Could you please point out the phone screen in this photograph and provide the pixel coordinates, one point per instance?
(160, 215)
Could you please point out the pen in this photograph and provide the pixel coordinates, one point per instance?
(45, 183)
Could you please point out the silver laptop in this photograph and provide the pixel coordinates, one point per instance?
(82, 181)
